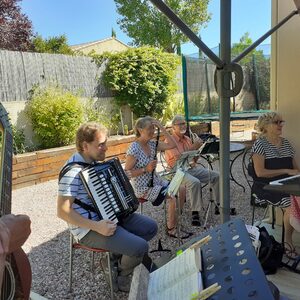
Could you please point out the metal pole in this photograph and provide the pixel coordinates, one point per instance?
(185, 91)
(207, 87)
(224, 83)
(255, 78)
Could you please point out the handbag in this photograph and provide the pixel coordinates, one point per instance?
(270, 252)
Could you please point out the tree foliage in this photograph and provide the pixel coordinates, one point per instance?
(146, 25)
(143, 78)
(15, 27)
(56, 44)
(258, 68)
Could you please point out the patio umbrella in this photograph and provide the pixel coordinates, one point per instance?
(224, 68)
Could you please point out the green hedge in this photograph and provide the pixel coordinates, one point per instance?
(55, 115)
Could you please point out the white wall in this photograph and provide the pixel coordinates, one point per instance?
(16, 111)
(285, 74)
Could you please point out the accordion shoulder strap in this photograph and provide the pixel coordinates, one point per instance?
(85, 206)
(74, 164)
(65, 170)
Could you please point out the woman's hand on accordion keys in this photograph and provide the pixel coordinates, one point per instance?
(105, 227)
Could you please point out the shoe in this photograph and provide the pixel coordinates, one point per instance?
(217, 210)
(124, 283)
(172, 232)
(114, 273)
(232, 211)
(195, 219)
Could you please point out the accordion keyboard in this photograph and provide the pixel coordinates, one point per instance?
(110, 190)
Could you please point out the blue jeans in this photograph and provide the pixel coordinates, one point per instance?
(130, 239)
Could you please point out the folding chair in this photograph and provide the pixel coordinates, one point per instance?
(74, 245)
(249, 172)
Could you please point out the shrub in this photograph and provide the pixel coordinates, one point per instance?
(144, 78)
(110, 118)
(55, 116)
(18, 140)
(174, 107)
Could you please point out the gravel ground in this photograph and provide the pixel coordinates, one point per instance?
(48, 244)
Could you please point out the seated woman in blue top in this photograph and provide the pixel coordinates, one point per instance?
(141, 163)
(273, 158)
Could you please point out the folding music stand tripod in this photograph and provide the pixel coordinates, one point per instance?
(182, 165)
(208, 151)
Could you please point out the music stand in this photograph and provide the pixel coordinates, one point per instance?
(185, 160)
(209, 150)
(180, 168)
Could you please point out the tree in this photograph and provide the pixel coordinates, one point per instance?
(257, 67)
(56, 44)
(146, 25)
(113, 33)
(143, 78)
(15, 27)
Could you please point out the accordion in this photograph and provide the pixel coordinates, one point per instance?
(110, 190)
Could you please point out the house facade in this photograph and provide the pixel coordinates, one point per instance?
(285, 70)
(111, 44)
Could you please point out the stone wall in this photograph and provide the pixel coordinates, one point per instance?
(40, 166)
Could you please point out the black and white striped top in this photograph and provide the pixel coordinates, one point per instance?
(275, 157)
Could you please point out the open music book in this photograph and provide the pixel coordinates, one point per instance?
(180, 278)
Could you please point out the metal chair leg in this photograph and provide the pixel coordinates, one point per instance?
(253, 210)
(70, 262)
(92, 262)
(110, 276)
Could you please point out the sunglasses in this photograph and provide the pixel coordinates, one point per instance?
(279, 122)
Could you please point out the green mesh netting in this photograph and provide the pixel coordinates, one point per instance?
(200, 94)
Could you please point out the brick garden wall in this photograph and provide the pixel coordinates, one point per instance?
(40, 166)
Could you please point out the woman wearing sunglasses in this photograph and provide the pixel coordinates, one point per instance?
(273, 158)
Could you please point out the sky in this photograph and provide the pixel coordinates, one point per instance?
(90, 20)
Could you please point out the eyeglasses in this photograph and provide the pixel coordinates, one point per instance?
(181, 124)
(278, 122)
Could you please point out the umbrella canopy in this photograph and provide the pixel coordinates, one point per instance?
(224, 68)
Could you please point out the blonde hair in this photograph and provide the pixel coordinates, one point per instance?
(86, 133)
(141, 123)
(265, 119)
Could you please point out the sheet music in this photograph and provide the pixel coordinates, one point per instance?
(175, 182)
(254, 236)
(179, 277)
(181, 290)
(186, 159)
(253, 232)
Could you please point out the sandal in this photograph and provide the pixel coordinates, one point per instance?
(172, 232)
(195, 219)
(290, 252)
